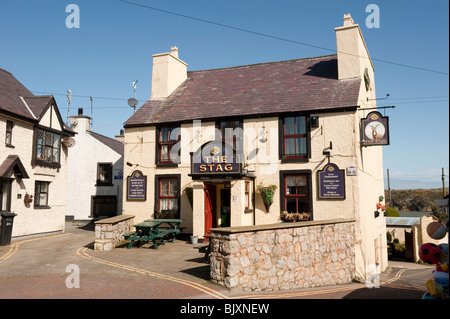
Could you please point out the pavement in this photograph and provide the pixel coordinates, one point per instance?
(65, 266)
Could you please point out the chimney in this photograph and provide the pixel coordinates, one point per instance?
(80, 122)
(168, 73)
(352, 54)
(121, 137)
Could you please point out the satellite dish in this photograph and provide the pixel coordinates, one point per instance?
(69, 141)
(133, 103)
(73, 122)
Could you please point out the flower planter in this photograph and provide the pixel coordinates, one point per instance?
(294, 217)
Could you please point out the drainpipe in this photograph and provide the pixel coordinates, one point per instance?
(254, 199)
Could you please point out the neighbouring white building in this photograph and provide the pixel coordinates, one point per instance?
(204, 143)
(94, 175)
(33, 159)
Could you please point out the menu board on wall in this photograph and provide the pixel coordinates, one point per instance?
(137, 186)
(331, 182)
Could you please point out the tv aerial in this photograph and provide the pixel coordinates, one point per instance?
(132, 101)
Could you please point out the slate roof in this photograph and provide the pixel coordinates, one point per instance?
(113, 144)
(10, 91)
(11, 94)
(261, 89)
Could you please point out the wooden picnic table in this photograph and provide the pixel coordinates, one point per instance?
(149, 230)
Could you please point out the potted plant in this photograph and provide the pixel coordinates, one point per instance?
(267, 193)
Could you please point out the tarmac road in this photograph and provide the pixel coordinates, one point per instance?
(64, 266)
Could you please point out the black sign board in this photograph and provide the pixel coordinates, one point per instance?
(215, 159)
(375, 130)
(137, 186)
(331, 182)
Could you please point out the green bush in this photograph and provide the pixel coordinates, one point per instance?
(389, 236)
(391, 212)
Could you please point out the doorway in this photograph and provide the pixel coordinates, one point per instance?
(217, 205)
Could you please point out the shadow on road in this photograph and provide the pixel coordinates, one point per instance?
(386, 293)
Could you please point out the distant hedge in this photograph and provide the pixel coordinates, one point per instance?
(392, 212)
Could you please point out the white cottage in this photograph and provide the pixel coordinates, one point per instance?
(94, 176)
(33, 159)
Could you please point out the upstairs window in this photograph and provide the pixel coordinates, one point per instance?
(48, 148)
(9, 132)
(104, 174)
(231, 132)
(294, 139)
(167, 138)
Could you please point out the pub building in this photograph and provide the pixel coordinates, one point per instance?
(206, 143)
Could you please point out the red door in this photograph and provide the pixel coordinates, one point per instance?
(210, 208)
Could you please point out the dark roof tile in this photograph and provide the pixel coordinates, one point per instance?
(268, 88)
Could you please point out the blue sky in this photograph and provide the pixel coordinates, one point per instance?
(115, 42)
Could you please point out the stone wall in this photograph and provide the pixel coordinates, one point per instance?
(283, 255)
(109, 231)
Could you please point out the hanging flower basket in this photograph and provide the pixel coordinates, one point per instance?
(267, 193)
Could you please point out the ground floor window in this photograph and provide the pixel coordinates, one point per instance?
(41, 190)
(104, 206)
(296, 191)
(167, 196)
(5, 195)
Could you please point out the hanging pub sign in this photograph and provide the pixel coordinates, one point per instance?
(375, 129)
(215, 159)
(331, 182)
(137, 186)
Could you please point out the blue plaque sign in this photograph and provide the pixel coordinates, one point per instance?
(331, 182)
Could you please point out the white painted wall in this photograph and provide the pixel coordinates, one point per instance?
(83, 160)
(30, 220)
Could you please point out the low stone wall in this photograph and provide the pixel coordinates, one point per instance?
(109, 231)
(284, 255)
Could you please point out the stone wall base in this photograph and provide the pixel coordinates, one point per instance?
(305, 254)
(109, 231)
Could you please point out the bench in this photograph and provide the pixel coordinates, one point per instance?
(149, 231)
(160, 236)
(205, 249)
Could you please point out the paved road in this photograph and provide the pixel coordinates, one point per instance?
(44, 268)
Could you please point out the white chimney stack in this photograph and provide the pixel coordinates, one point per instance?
(168, 73)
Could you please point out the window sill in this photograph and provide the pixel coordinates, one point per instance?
(42, 207)
(47, 164)
(295, 160)
(161, 165)
(103, 184)
(10, 145)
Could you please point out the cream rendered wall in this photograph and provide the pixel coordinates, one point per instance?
(370, 232)
(30, 220)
